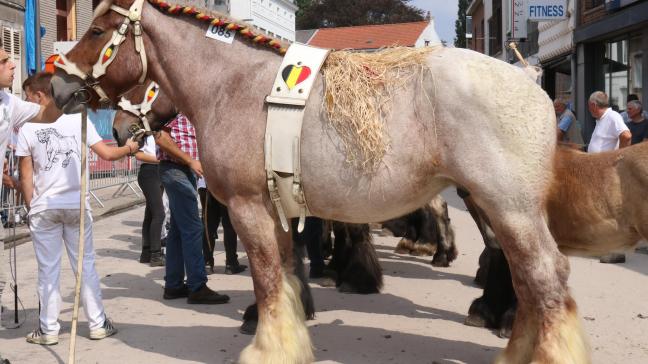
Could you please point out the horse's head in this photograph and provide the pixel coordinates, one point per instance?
(109, 59)
(43, 135)
(142, 109)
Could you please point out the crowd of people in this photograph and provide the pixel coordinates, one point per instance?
(613, 130)
(49, 150)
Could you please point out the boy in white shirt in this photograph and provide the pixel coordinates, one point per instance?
(50, 169)
(14, 112)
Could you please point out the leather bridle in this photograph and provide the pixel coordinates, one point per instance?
(109, 52)
(140, 110)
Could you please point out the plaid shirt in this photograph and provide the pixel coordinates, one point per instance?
(184, 135)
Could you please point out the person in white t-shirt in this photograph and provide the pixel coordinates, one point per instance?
(50, 170)
(14, 112)
(610, 133)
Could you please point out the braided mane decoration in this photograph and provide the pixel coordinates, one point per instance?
(242, 28)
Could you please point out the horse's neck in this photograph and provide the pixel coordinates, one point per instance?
(199, 73)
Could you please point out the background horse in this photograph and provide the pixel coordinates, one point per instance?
(221, 87)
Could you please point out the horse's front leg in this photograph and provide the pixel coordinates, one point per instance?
(281, 335)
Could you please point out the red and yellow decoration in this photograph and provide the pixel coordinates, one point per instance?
(150, 95)
(107, 53)
(49, 63)
(244, 30)
(294, 75)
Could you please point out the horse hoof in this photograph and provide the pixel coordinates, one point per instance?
(475, 321)
(401, 250)
(248, 327)
(440, 262)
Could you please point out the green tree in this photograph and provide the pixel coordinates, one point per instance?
(341, 13)
(460, 25)
(303, 5)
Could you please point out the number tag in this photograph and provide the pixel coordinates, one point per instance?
(221, 33)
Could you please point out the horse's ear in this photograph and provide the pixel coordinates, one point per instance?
(102, 8)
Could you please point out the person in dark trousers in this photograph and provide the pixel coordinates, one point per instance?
(179, 166)
(213, 213)
(148, 179)
(311, 236)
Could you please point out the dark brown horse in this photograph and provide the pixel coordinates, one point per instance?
(506, 166)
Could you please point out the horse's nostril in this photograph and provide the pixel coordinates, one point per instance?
(116, 136)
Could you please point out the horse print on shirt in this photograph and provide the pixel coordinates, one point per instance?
(56, 144)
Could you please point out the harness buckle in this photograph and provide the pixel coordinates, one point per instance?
(123, 28)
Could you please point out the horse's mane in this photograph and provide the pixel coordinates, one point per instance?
(248, 31)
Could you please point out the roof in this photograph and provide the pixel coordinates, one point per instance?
(369, 36)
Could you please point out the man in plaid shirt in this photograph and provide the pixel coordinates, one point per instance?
(178, 168)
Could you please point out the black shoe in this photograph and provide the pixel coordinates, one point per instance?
(316, 273)
(173, 293)
(145, 257)
(248, 327)
(613, 258)
(206, 296)
(157, 260)
(235, 268)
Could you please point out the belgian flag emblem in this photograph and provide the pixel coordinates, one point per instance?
(294, 75)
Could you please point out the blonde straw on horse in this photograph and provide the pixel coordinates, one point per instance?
(81, 251)
(513, 46)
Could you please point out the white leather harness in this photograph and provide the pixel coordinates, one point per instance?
(286, 104)
(140, 110)
(109, 51)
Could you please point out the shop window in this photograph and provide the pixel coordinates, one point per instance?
(623, 70)
(495, 29)
(65, 20)
(591, 4)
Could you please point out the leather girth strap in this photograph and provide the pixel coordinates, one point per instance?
(286, 104)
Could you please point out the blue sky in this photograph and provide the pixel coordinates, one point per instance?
(444, 13)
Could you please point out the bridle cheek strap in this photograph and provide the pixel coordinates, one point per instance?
(140, 110)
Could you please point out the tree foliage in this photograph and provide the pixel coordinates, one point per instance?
(314, 14)
(460, 25)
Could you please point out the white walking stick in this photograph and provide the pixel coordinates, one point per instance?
(82, 208)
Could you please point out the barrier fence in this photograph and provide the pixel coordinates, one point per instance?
(102, 174)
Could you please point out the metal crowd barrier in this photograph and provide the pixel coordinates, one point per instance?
(102, 174)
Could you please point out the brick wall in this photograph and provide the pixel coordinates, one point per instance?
(590, 12)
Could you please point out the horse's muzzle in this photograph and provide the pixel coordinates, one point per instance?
(69, 93)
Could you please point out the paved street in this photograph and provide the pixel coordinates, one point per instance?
(417, 319)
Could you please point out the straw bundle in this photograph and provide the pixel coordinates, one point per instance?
(358, 99)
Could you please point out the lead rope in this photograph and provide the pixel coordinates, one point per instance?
(81, 252)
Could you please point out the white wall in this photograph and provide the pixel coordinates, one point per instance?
(430, 35)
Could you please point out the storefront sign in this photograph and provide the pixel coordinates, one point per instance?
(519, 19)
(546, 10)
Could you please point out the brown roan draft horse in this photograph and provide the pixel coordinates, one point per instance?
(472, 121)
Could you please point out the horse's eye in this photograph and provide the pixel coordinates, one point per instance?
(97, 31)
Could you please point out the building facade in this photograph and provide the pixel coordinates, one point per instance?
(612, 53)
(274, 17)
(12, 20)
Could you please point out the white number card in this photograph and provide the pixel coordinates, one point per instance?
(221, 33)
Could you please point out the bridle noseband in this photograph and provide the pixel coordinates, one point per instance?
(140, 110)
(109, 52)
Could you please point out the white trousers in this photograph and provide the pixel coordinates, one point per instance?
(49, 230)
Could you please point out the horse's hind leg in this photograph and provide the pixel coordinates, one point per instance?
(546, 328)
(281, 335)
